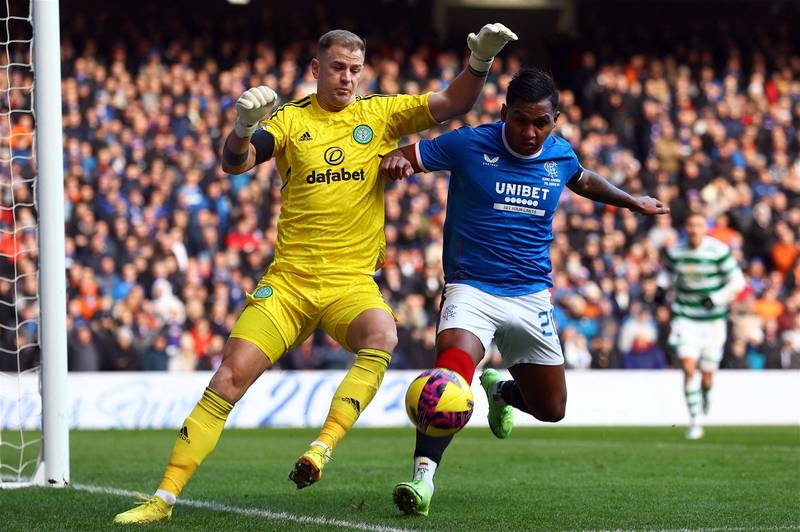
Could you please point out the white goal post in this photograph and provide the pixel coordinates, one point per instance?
(49, 466)
(52, 292)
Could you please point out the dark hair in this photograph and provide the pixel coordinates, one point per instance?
(696, 214)
(344, 38)
(532, 85)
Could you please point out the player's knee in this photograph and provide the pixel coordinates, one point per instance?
(558, 413)
(384, 339)
(228, 384)
(553, 410)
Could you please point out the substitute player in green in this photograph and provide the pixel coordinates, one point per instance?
(706, 279)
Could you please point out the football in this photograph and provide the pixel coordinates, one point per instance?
(439, 402)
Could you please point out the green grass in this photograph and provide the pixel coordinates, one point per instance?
(556, 478)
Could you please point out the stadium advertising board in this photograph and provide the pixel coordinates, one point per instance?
(301, 399)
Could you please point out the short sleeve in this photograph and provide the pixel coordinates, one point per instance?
(574, 168)
(438, 153)
(669, 262)
(264, 143)
(276, 127)
(407, 114)
(727, 263)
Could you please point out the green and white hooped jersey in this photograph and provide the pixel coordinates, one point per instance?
(699, 273)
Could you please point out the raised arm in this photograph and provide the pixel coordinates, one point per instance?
(242, 149)
(595, 187)
(461, 94)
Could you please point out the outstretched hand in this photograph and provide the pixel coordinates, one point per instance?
(395, 166)
(490, 40)
(649, 206)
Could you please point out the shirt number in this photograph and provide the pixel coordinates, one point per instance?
(547, 322)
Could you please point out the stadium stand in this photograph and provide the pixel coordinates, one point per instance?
(162, 245)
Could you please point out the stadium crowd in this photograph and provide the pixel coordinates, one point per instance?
(162, 245)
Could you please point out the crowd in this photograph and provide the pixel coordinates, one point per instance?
(162, 245)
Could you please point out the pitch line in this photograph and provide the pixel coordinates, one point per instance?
(713, 529)
(594, 444)
(251, 512)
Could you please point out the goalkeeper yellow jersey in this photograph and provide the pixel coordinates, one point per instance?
(332, 211)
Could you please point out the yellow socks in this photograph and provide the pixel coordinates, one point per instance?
(202, 429)
(197, 438)
(354, 394)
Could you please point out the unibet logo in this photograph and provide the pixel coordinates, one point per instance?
(333, 175)
(526, 191)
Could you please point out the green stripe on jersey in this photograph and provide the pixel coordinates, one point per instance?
(699, 273)
(694, 269)
(700, 291)
(689, 303)
(707, 317)
(698, 260)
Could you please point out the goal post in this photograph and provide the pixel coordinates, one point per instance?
(34, 434)
(52, 268)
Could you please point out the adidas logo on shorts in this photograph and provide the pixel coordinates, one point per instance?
(305, 136)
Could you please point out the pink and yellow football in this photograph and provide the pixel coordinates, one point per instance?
(439, 402)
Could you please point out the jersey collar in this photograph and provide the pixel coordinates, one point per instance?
(314, 103)
(515, 154)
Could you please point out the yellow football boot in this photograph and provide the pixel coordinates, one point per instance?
(149, 510)
(308, 468)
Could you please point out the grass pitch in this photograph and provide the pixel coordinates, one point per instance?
(553, 478)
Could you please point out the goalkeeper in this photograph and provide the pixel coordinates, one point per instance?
(330, 242)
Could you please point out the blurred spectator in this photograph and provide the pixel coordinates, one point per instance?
(737, 357)
(637, 341)
(333, 355)
(303, 357)
(790, 350)
(124, 356)
(162, 245)
(82, 350)
(576, 353)
(155, 356)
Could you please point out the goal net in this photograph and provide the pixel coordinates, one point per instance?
(20, 361)
(27, 244)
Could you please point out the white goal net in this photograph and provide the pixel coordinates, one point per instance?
(20, 361)
(34, 439)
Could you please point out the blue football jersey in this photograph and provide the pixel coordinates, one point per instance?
(500, 207)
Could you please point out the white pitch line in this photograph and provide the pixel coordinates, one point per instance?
(252, 512)
(714, 529)
(547, 442)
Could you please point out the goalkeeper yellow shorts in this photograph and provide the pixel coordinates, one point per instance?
(285, 308)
